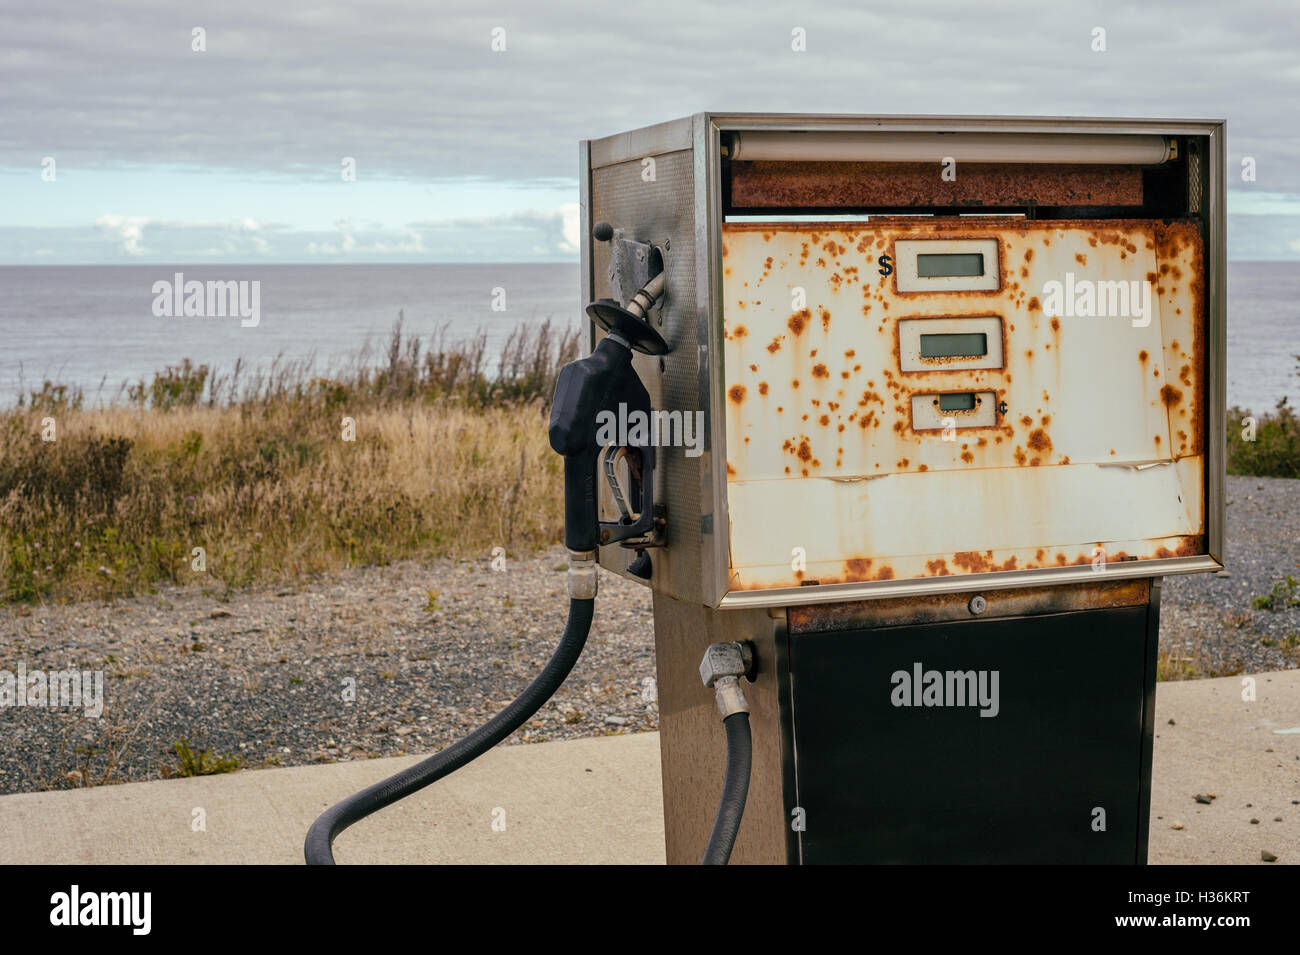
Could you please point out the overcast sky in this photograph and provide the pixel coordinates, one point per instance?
(233, 154)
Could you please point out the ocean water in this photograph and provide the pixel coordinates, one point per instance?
(93, 327)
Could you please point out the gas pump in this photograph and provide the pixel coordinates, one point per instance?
(961, 386)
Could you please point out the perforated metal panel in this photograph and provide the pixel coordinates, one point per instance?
(661, 211)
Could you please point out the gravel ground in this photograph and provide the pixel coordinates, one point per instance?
(1207, 619)
(428, 652)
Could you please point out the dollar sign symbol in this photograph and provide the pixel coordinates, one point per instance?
(886, 265)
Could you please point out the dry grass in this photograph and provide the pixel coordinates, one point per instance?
(287, 476)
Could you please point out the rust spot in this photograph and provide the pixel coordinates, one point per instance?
(922, 467)
(967, 457)
(775, 345)
(1039, 441)
(1170, 395)
(794, 382)
(1184, 375)
(938, 568)
(857, 568)
(1056, 324)
(762, 387)
(1080, 258)
(825, 317)
(730, 470)
(1026, 421)
(1029, 255)
(1034, 304)
(973, 562)
(1143, 356)
(819, 371)
(736, 393)
(805, 451)
(753, 368)
(798, 321)
(741, 331)
(824, 420)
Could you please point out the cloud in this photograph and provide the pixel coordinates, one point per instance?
(554, 232)
(542, 233)
(238, 236)
(129, 230)
(408, 242)
(283, 93)
(293, 90)
(572, 223)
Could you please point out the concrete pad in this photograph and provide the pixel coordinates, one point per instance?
(599, 800)
(588, 800)
(1220, 743)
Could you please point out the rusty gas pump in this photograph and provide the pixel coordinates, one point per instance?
(960, 384)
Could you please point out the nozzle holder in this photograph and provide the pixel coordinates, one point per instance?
(614, 318)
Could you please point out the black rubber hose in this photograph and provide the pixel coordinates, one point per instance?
(735, 789)
(318, 849)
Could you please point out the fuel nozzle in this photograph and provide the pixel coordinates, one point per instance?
(605, 382)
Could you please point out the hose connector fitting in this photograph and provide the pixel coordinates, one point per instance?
(722, 667)
(582, 574)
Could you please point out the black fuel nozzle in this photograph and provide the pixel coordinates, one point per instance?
(595, 397)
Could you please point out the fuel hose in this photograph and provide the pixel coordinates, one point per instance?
(735, 790)
(319, 847)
